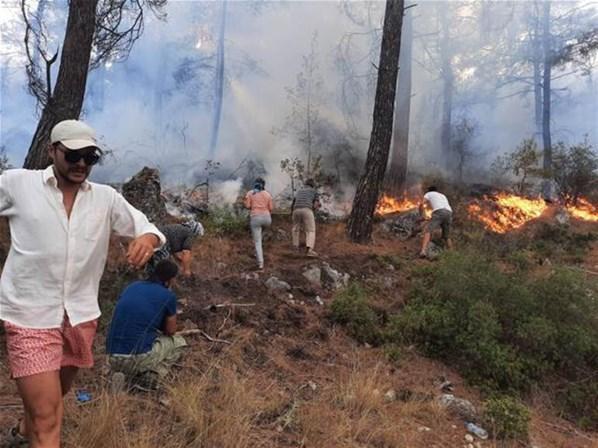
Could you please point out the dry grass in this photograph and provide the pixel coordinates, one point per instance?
(354, 412)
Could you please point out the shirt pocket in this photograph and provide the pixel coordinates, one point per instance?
(95, 225)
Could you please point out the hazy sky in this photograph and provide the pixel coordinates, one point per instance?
(147, 117)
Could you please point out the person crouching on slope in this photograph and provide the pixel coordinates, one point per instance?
(442, 217)
(142, 340)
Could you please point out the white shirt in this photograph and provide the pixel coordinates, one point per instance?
(55, 263)
(438, 201)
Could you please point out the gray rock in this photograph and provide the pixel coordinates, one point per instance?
(433, 251)
(144, 192)
(332, 278)
(274, 284)
(313, 274)
(459, 406)
(319, 300)
(468, 438)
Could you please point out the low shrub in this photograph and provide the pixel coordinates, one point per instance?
(350, 308)
(226, 220)
(505, 332)
(506, 418)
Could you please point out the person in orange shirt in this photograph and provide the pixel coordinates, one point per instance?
(259, 202)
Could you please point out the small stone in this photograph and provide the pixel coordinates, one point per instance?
(469, 438)
(221, 266)
(313, 386)
(366, 345)
(454, 426)
(390, 267)
(390, 395)
(478, 444)
(424, 429)
(274, 284)
(470, 445)
(313, 275)
(291, 296)
(318, 300)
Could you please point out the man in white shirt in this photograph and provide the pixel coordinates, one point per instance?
(60, 226)
(442, 216)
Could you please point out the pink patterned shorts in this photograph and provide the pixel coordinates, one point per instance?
(32, 351)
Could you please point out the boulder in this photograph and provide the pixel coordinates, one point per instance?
(459, 406)
(274, 284)
(144, 192)
(313, 274)
(333, 279)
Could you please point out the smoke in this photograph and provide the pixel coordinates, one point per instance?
(156, 108)
(227, 192)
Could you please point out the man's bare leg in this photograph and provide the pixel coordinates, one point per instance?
(425, 243)
(42, 399)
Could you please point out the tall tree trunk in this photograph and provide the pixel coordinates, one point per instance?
(219, 82)
(397, 173)
(546, 92)
(447, 86)
(537, 59)
(69, 92)
(359, 225)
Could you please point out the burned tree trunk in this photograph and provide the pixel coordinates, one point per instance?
(397, 172)
(359, 225)
(67, 99)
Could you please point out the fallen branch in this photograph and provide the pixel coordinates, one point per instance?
(204, 334)
(222, 305)
(575, 268)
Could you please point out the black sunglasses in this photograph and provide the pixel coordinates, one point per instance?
(90, 157)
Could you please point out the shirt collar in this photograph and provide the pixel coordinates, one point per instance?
(50, 178)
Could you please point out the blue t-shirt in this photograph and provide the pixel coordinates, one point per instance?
(138, 316)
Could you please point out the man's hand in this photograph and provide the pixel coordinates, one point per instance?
(141, 249)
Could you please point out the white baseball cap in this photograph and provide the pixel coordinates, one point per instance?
(74, 134)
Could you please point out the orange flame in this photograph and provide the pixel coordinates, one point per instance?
(506, 212)
(583, 210)
(388, 204)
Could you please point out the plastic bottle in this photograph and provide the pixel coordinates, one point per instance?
(477, 430)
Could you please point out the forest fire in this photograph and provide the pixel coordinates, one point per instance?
(506, 212)
(387, 204)
(583, 210)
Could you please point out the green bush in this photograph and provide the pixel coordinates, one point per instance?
(504, 331)
(506, 418)
(225, 220)
(350, 308)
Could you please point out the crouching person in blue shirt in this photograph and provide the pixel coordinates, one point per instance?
(142, 343)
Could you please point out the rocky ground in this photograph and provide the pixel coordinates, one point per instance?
(277, 372)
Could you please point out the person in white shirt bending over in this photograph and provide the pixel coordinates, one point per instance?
(442, 216)
(60, 227)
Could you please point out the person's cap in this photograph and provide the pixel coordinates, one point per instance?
(74, 134)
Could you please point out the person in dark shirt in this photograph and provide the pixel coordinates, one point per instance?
(179, 243)
(142, 332)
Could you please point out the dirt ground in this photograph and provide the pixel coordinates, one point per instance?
(297, 362)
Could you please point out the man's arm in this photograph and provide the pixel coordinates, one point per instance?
(185, 256)
(169, 327)
(129, 222)
(422, 206)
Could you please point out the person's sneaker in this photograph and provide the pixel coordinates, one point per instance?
(312, 253)
(118, 382)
